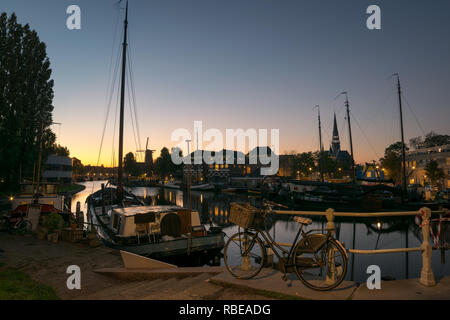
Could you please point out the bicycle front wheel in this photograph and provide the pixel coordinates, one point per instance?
(244, 255)
(320, 265)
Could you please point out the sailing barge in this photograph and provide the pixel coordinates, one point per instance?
(123, 222)
(152, 231)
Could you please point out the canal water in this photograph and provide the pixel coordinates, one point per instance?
(367, 233)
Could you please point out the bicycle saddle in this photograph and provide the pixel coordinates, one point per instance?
(303, 220)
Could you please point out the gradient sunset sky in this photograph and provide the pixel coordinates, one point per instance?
(248, 64)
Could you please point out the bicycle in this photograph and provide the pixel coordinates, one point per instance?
(318, 259)
(18, 224)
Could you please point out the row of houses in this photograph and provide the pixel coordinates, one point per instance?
(223, 165)
(59, 168)
(417, 160)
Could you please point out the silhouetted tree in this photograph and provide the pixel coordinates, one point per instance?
(392, 161)
(303, 162)
(435, 140)
(60, 150)
(130, 165)
(26, 94)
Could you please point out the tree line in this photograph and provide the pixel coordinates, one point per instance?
(26, 95)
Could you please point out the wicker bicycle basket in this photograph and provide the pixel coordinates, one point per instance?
(245, 215)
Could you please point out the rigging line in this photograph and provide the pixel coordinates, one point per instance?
(117, 106)
(131, 115)
(394, 120)
(343, 132)
(133, 92)
(115, 126)
(364, 134)
(109, 84)
(414, 114)
(134, 100)
(108, 109)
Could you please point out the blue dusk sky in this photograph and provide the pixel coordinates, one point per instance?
(260, 64)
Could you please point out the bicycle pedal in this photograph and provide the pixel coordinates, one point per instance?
(284, 278)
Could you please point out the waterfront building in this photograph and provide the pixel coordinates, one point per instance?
(417, 160)
(222, 171)
(58, 169)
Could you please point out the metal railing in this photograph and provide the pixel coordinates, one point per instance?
(426, 276)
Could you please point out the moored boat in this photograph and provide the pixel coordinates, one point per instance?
(151, 230)
(122, 221)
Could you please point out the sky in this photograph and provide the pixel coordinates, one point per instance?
(247, 64)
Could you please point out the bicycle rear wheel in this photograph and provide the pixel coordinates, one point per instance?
(320, 268)
(244, 255)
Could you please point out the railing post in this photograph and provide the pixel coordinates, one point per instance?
(330, 219)
(331, 272)
(426, 276)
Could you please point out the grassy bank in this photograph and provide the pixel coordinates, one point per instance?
(16, 285)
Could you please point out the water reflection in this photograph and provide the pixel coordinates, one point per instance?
(365, 233)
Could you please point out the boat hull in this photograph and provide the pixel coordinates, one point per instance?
(212, 243)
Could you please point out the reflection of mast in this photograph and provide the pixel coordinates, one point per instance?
(122, 103)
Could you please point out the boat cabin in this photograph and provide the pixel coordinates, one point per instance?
(48, 194)
(153, 221)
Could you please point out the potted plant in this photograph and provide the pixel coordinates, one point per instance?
(53, 222)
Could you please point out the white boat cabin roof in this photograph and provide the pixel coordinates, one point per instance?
(136, 210)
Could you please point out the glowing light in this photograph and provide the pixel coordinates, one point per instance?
(379, 225)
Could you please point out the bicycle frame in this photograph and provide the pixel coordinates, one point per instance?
(268, 240)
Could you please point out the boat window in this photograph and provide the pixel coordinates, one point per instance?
(116, 220)
(26, 189)
(51, 189)
(144, 218)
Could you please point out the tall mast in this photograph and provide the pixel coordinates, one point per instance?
(320, 145)
(189, 176)
(122, 103)
(350, 137)
(399, 90)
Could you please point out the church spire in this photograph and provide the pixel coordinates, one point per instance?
(335, 143)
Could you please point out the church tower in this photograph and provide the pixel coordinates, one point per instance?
(335, 143)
